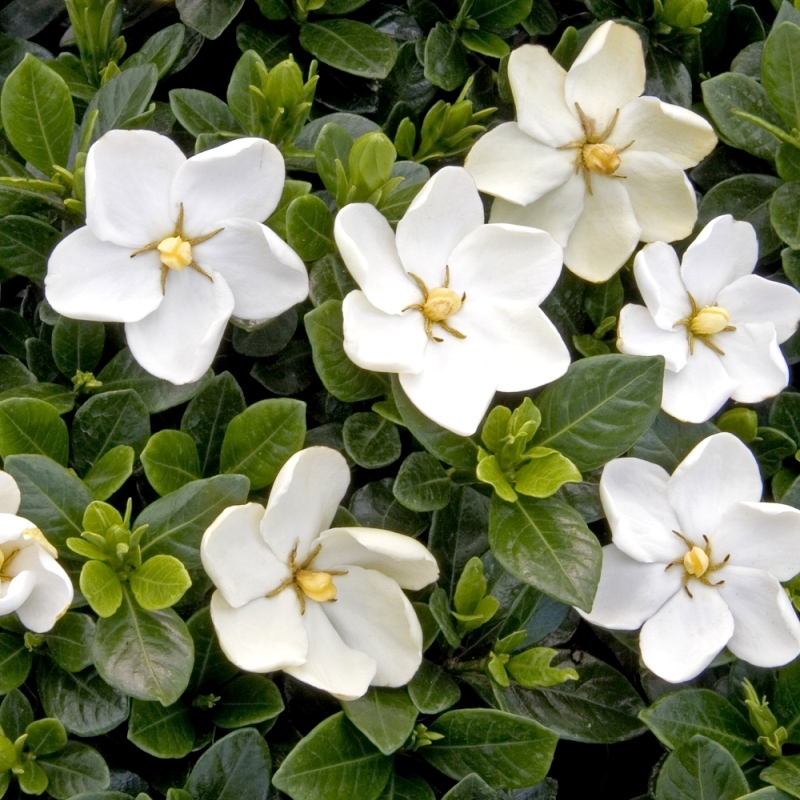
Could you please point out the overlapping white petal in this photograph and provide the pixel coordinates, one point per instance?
(10, 496)
(268, 619)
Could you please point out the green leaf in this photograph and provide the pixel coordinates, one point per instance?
(371, 441)
(471, 587)
(533, 668)
(13, 373)
(334, 760)
(273, 47)
(291, 190)
(15, 661)
(507, 751)
(161, 49)
(32, 427)
(260, 440)
(446, 62)
(439, 606)
(77, 345)
(170, 460)
(676, 717)
(25, 245)
(340, 376)
(101, 586)
(45, 736)
(375, 506)
(546, 543)
(211, 667)
(237, 767)
(489, 471)
(770, 448)
(350, 46)
(145, 654)
(163, 732)
(600, 407)
(330, 280)
(200, 112)
(780, 72)
(75, 769)
(545, 474)
(160, 582)
(784, 774)
(500, 13)
(432, 690)
(422, 484)
(700, 768)
(385, 716)
(38, 116)
(61, 398)
(668, 79)
(209, 17)
(407, 786)
(471, 788)
(32, 778)
(784, 212)
(485, 43)
(333, 144)
(69, 642)
(309, 227)
(83, 701)
(248, 700)
(15, 714)
(105, 421)
(110, 471)
(667, 441)
(124, 98)
(240, 100)
(786, 700)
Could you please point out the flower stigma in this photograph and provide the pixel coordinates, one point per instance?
(176, 252)
(314, 584)
(697, 563)
(705, 322)
(438, 305)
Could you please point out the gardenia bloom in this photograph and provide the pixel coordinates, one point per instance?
(697, 561)
(323, 604)
(449, 303)
(589, 160)
(172, 247)
(32, 583)
(717, 325)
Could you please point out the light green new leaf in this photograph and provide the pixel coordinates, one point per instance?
(160, 582)
(170, 460)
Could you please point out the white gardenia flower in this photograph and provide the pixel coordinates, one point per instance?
(697, 561)
(32, 583)
(323, 604)
(589, 160)
(173, 247)
(717, 325)
(449, 303)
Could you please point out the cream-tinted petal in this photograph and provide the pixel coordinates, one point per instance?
(753, 359)
(10, 496)
(15, 592)
(658, 276)
(51, 595)
(752, 298)
(638, 335)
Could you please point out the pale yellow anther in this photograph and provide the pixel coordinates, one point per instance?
(600, 158)
(318, 586)
(695, 562)
(440, 304)
(176, 252)
(709, 320)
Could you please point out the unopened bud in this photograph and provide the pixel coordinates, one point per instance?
(284, 85)
(371, 161)
(685, 13)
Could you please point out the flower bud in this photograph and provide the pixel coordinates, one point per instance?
(685, 13)
(371, 161)
(741, 422)
(284, 85)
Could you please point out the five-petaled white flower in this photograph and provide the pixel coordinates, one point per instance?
(449, 303)
(717, 325)
(325, 605)
(32, 583)
(697, 561)
(589, 160)
(173, 247)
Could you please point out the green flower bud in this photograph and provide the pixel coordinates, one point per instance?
(685, 13)
(371, 162)
(284, 85)
(741, 422)
(761, 718)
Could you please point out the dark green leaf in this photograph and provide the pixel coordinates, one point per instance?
(374, 506)
(784, 212)
(209, 17)
(15, 714)
(32, 427)
(15, 661)
(422, 484)
(77, 345)
(25, 245)
(432, 690)
(500, 13)
(780, 69)
(371, 441)
(248, 700)
(161, 49)
(667, 442)
(70, 642)
(200, 112)
(124, 98)
(75, 769)
(211, 667)
(309, 227)
(110, 471)
(385, 716)
(446, 63)
(164, 732)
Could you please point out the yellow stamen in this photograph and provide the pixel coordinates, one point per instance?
(709, 320)
(318, 586)
(600, 158)
(440, 304)
(176, 252)
(695, 562)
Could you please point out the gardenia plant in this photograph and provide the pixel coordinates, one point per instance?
(449, 303)
(589, 160)
(717, 325)
(323, 604)
(173, 247)
(697, 561)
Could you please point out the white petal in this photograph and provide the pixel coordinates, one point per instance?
(663, 199)
(265, 275)
(180, 339)
(447, 209)
(555, 212)
(457, 381)
(755, 299)
(537, 83)
(304, 498)
(630, 592)
(718, 473)
(382, 342)
(90, 279)
(722, 252)
(658, 276)
(128, 179)
(763, 536)
(367, 244)
(608, 73)
(766, 629)
(264, 635)
(10, 496)
(331, 665)
(508, 163)
(657, 127)
(700, 389)
(15, 592)
(50, 597)
(753, 359)
(506, 262)
(605, 234)
(685, 635)
(236, 557)
(401, 558)
(13, 529)
(242, 178)
(634, 497)
(640, 336)
(373, 616)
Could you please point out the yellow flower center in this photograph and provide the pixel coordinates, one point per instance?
(600, 158)
(709, 320)
(318, 586)
(175, 252)
(5, 563)
(440, 304)
(695, 562)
